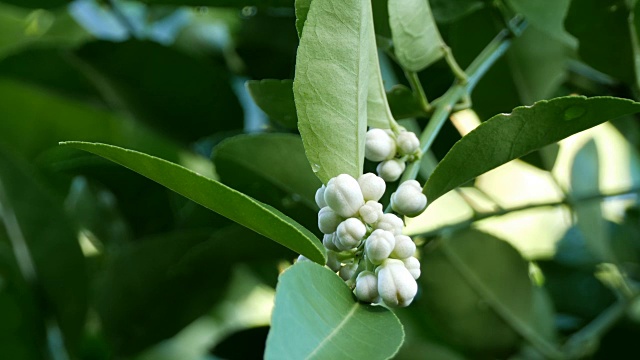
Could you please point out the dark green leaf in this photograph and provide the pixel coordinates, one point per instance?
(154, 287)
(225, 3)
(316, 316)
(404, 104)
(546, 16)
(38, 4)
(466, 294)
(275, 98)
(302, 9)
(416, 39)
(243, 345)
(215, 196)
(509, 136)
(451, 10)
(332, 115)
(602, 28)
(36, 222)
(187, 105)
(277, 158)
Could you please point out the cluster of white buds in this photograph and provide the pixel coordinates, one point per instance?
(392, 150)
(366, 246)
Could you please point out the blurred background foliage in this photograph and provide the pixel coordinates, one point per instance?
(97, 262)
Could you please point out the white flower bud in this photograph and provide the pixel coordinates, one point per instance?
(413, 265)
(367, 287)
(379, 145)
(390, 222)
(390, 170)
(320, 197)
(349, 234)
(372, 186)
(407, 143)
(348, 271)
(379, 246)
(329, 242)
(408, 199)
(371, 212)
(405, 247)
(343, 195)
(396, 285)
(332, 261)
(328, 220)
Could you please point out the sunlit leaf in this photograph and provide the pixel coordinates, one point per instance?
(508, 136)
(416, 38)
(316, 316)
(331, 86)
(215, 196)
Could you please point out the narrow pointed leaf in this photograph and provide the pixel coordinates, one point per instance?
(505, 137)
(317, 317)
(416, 38)
(331, 86)
(215, 196)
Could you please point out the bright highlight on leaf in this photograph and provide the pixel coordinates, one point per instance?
(316, 316)
(331, 85)
(506, 137)
(215, 196)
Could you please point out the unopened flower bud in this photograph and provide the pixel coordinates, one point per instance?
(349, 234)
(367, 287)
(405, 247)
(408, 199)
(407, 143)
(372, 186)
(332, 261)
(390, 170)
(348, 271)
(390, 222)
(343, 195)
(379, 145)
(396, 285)
(328, 220)
(413, 265)
(329, 242)
(379, 246)
(320, 197)
(371, 212)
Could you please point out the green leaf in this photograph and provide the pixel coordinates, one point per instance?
(215, 196)
(378, 111)
(446, 11)
(302, 10)
(473, 282)
(610, 51)
(546, 16)
(506, 137)
(331, 86)
(416, 39)
(224, 3)
(278, 158)
(275, 98)
(190, 270)
(48, 245)
(185, 105)
(585, 174)
(38, 4)
(404, 103)
(316, 316)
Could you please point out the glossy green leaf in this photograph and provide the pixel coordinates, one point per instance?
(275, 98)
(466, 294)
(506, 137)
(316, 316)
(37, 225)
(302, 10)
(331, 86)
(277, 158)
(416, 38)
(215, 196)
(446, 11)
(191, 269)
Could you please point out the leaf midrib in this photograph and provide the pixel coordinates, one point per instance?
(335, 331)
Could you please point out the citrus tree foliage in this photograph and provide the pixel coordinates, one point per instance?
(319, 179)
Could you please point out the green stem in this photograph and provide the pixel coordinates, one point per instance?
(460, 75)
(417, 88)
(567, 201)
